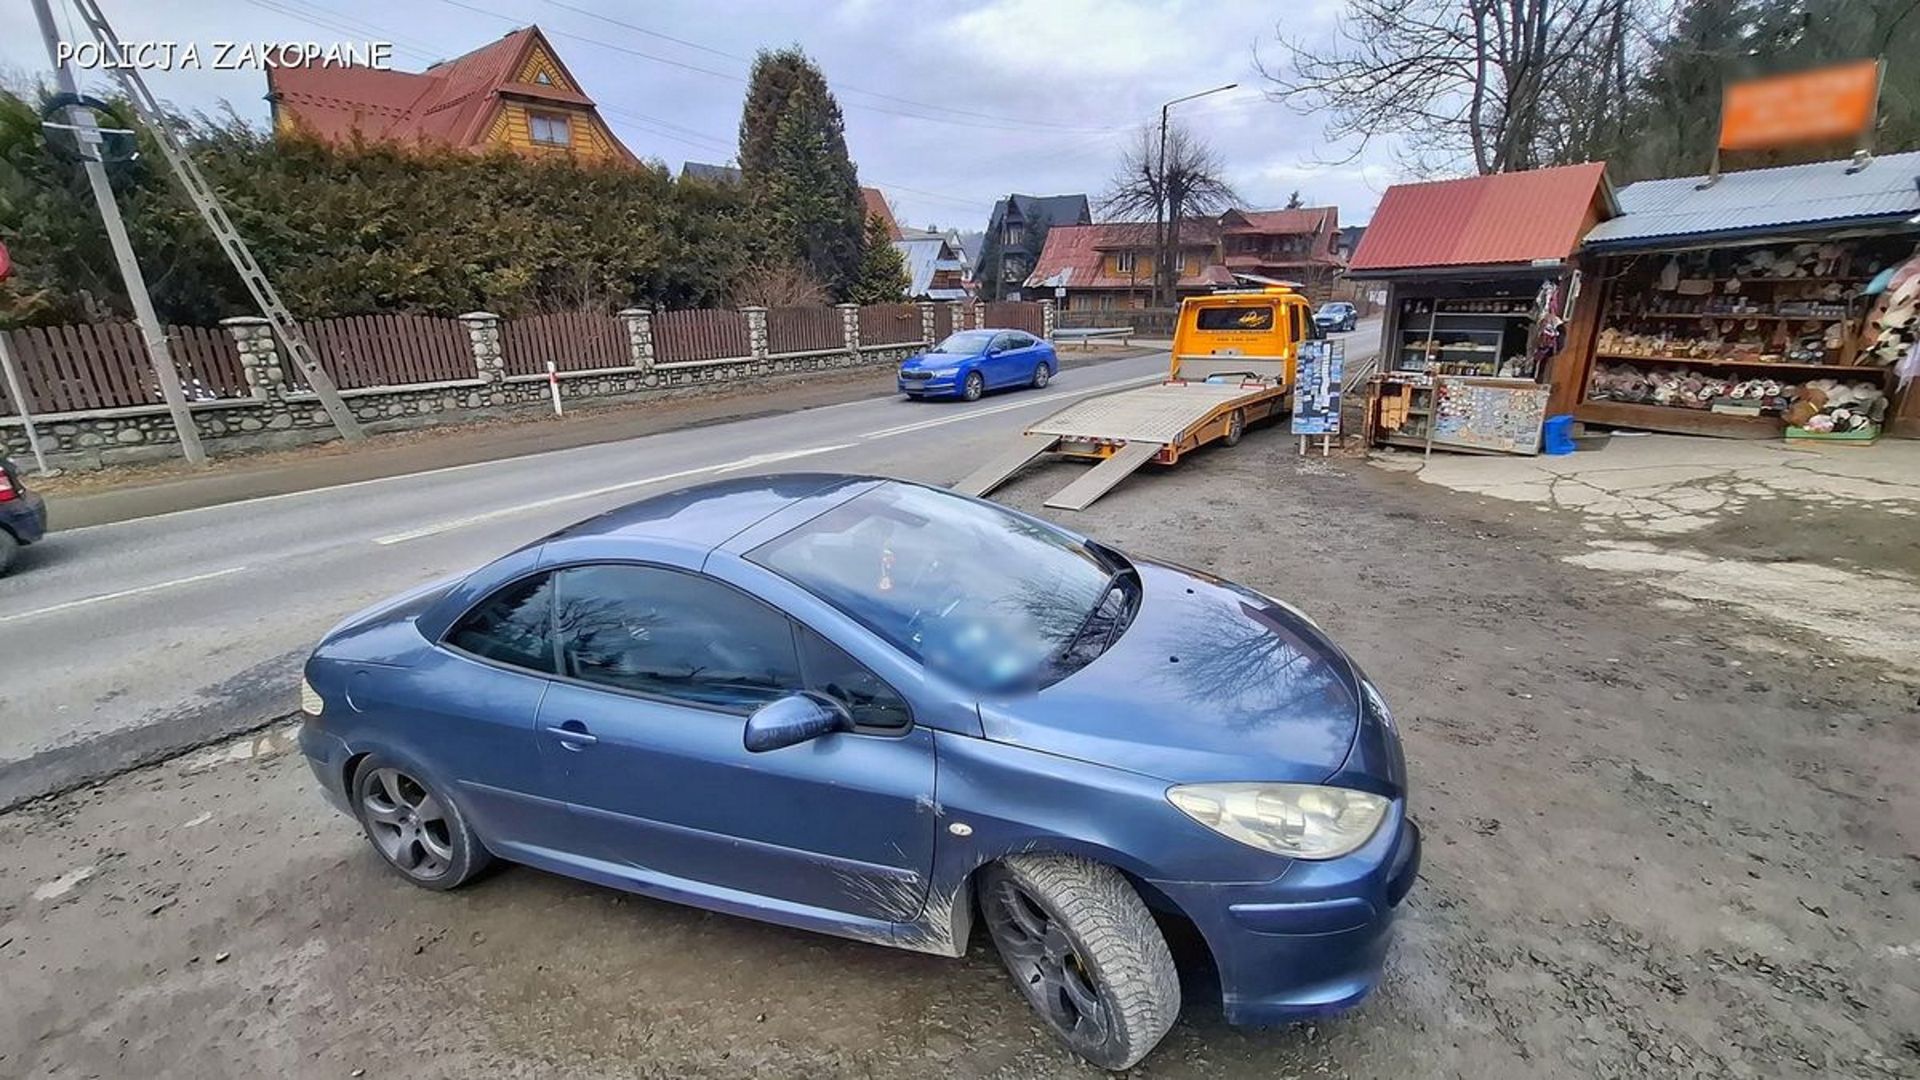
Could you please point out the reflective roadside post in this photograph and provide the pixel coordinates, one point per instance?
(553, 386)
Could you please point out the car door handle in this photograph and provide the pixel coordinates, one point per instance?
(573, 738)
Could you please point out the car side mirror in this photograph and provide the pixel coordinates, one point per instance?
(794, 719)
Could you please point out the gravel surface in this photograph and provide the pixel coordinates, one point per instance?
(1660, 843)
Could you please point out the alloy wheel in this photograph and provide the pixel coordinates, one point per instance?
(408, 824)
(976, 385)
(1048, 967)
(1040, 376)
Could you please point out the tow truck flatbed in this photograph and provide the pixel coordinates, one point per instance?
(1125, 430)
(1231, 365)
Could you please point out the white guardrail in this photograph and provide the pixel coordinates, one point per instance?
(1086, 335)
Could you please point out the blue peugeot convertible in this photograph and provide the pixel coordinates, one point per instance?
(972, 362)
(885, 711)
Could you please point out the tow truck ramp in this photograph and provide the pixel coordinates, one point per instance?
(1100, 479)
(995, 472)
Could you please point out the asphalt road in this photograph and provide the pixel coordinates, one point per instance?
(147, 636)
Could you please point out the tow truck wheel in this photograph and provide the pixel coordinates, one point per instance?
(1236, 427)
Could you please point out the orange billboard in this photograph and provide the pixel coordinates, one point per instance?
(1821, 105)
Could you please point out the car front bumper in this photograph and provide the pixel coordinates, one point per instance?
(938, 386)
(1313, 940)
(25, 517)
(327, 755)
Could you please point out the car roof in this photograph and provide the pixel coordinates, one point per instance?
(707, 515)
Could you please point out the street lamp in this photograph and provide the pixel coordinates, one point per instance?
(1162, 205)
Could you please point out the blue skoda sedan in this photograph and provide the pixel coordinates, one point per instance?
(884, 711)
(972, 362)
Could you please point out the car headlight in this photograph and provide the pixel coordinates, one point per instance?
(310, 701)
(941, 373)
(1301, 821)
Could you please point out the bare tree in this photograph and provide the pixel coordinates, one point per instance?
(778, 283)
(1154, 191)
(1507, 84)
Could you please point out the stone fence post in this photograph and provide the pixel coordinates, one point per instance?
(259, 357)
(926, 320)
(850, 324)
(756, 332)
(639, 324)
(1046, 319)
(483, 336)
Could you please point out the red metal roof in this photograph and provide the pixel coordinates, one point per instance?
(451, 103)
(1503, 219)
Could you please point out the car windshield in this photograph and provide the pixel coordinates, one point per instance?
(965, 343)
(990, 599)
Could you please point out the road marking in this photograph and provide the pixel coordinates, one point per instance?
(520, 508)
(1021, 403)
(121, 594)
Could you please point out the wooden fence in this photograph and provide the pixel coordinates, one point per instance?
(1015, 315)
(943, 317)
(104, 366)
(805, 329)
(573, 340)
(889, 324)
(701, 334)
(387, 350)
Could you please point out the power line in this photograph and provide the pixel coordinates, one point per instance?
(834, 83)
(729, 76)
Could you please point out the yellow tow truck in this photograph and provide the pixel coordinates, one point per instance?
(1233, 362)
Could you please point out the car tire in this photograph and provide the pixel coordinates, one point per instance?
(1086, 953)
(9, 547)
(975, 386)
(417, 829)
(1041, 376)
(1236, 428)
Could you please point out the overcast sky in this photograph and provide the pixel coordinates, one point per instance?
(948, 105)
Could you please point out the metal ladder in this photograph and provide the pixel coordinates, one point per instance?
(231, 242)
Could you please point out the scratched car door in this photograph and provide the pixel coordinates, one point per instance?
(659, 668)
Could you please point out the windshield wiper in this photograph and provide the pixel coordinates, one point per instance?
(1067, 650)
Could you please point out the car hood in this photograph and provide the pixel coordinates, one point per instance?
(1212, 681)
(384, 633)
(937, 359)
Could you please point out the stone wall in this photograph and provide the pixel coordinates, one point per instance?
(280, 414)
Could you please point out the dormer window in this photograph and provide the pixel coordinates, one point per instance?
(543, 79)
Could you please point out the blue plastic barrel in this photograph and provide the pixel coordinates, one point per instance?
(1557, 434)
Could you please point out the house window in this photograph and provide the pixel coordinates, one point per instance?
(1015, 235)
(550, 130)
(543, 79)
(1123, 263)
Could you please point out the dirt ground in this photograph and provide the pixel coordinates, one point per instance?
(1662, 841)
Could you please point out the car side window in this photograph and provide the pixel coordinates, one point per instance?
(1001, 343)
(831, 671)
(513, 626)
(674, 635)
(1019, 341)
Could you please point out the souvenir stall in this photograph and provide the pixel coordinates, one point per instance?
(1743, 308)
(1482, 288)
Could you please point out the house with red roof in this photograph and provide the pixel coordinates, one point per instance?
(514, 93)
(1109, 266)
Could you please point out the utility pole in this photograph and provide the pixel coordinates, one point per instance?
(204, 199)
(158, 353)
(1166, 232)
